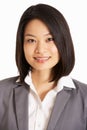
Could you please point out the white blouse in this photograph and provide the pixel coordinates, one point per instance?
(40, 111)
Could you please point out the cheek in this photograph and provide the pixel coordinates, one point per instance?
(27, 51)
(55, 52)
(54, 49)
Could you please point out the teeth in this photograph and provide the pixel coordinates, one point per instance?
(41, 59)
(44, 58)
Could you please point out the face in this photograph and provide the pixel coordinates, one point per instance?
(39, 47)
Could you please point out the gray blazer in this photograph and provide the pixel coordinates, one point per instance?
(69, 112)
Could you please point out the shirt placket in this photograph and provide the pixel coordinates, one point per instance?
(39, 119)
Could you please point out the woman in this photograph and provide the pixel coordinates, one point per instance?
(43, 96)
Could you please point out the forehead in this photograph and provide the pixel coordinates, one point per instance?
(36, 25)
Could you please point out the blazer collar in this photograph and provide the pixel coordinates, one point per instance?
(21, 105)
(61, 100)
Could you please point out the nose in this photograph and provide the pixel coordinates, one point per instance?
(41, 47)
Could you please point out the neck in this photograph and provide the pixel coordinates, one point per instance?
(41, 76)
(41, 82)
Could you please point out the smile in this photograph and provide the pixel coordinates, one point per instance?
(41, 59)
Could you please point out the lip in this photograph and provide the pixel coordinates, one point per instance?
(42, 59)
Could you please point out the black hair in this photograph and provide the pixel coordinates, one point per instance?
(60, 31)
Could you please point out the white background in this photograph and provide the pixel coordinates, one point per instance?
(75, 12)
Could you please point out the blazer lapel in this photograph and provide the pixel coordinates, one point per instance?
(61, 100)
(21, 106)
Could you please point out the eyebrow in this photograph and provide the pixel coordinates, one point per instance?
(35, 36)
(29, 35)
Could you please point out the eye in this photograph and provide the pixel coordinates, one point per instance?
(50, 39)
(30, 40)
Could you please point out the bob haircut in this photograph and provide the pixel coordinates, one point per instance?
(60, 31)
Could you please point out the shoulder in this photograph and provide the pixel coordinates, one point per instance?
(82, 94)
(6, 89)
(8, 82)
(6, 94)
(81, 87)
